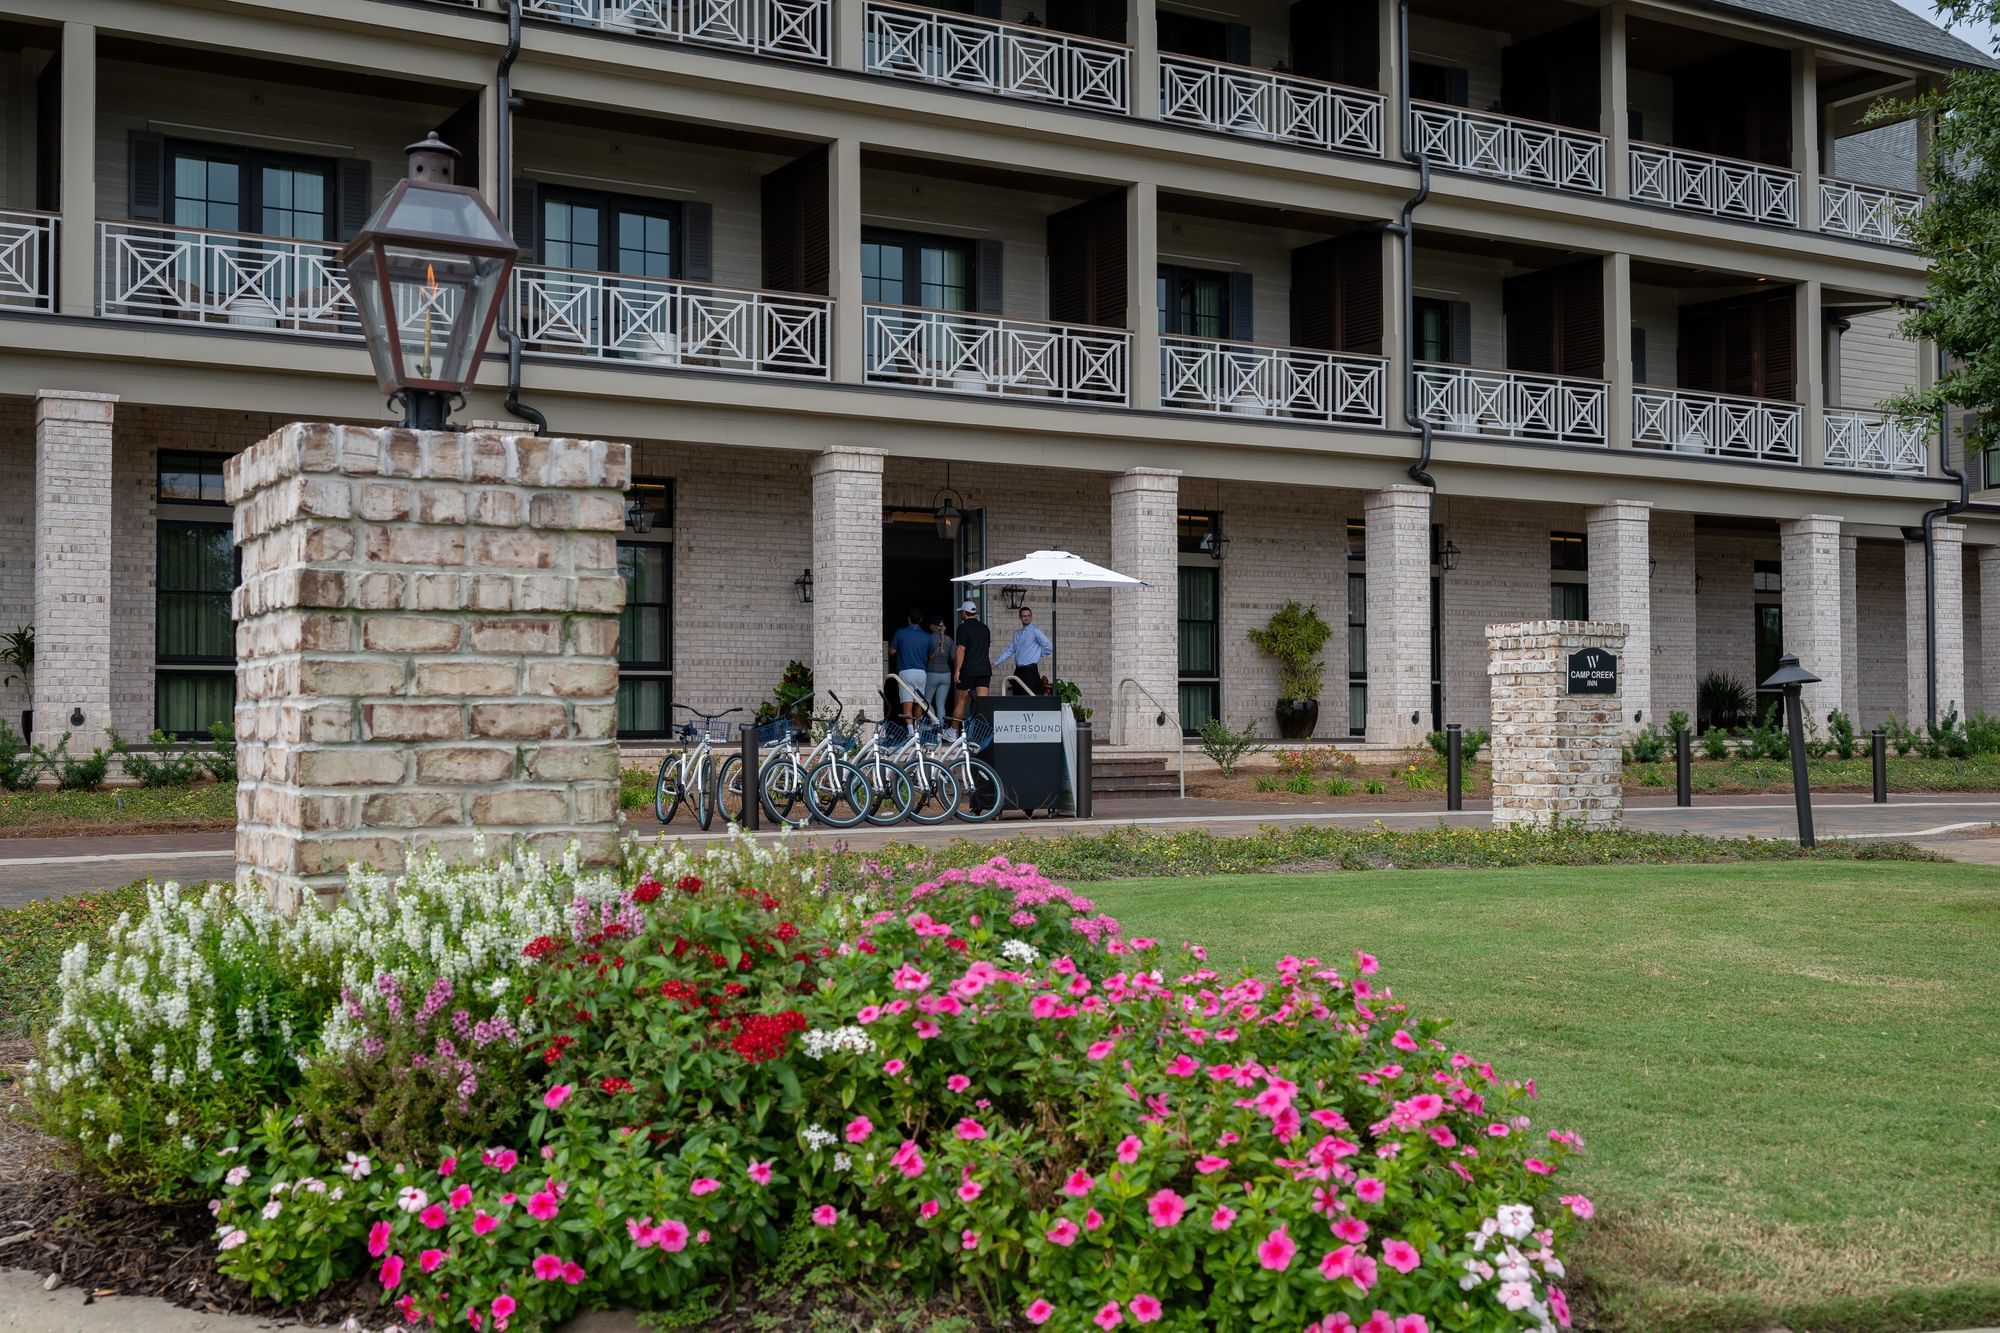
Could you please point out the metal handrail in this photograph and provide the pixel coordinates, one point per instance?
(1180, 732)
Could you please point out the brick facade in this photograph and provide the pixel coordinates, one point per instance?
(1879, 604)
(427, 645)
(1850, 630)
(1145, 643)
(73, 541)
(1675, 643)
(847, 578)
(1810, 550)
(1399, 614)
(1987, 659)
(1621, 592)
(1948, 540)
(1555, 754)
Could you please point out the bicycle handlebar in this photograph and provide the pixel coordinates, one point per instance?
(708, 717)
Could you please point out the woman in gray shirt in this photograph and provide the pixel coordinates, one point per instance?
(937, 669)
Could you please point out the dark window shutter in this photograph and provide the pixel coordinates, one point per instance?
(1457, 87)
(698, 242)
(1315, 49)
(1526, 80)
(1069, 266)
(816, 223)
(797, 227)
(1580, 316)
(1087, 262)
(461, 131)
(528, 219)
(146, 178)
(355, 198)
(1110, 25)
(1236, 43)
(1315, 296)
(1529, 307)
(1577, 96)
(1778, 365)
(1108, 259)
(1635, 126)
(1768, 138)
(1698, 348)
(1638, 355)
(1460, 328)
(48, 138)
(1739, 329)
(1102, 19)
(1242, 312)
(1358, 278)
(1360, 44)
(986, 9)
(991, 279)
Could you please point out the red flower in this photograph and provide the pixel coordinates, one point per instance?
(646, 890)
(955, 943)
(764, 1037)
(688, 883)
(615, 1085)
(540, 946)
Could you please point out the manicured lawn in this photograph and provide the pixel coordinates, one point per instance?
(1787, 1075)
(117, 810)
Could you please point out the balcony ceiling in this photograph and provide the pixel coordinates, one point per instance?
(1516, 252)
(1667, 48)
(238, 64)
(1255, 215)
(978, 173)
(635, 126)
(1517, 18)
(1649, 273)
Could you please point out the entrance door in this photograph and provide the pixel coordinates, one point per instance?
(918, 567)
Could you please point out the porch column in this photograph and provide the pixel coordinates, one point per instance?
(1989, 623)
(76, 285)
(1145, 622)
(1621, 590)
(490, 165)
(1613, 99)
(1398, 520)
(848, 658)
(1142, 30)
(1805, 135)
(1142, 290)
(850, 37)
(1389, 79)
(1949, 540)
(1850, 631)
(1812, 606)
(843, 174)
(1618, 351)
(73, 537)
(1395, 336)
(1809, 338)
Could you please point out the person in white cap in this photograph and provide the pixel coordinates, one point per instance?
(972, 667)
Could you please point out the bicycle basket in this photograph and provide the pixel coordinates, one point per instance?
(716, 729)
(892, 732)
(978, 733)
(774, 732)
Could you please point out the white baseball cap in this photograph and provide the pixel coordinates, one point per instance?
(969, 606)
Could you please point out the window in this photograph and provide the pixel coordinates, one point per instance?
(611, 233)
(1569, 551)
(1769, 628)
(1201, 645)
(1991, 459)
(194, 649)
(1357, 628)
(225, 188)
(645, 628)
(1194, 302)
(1569, 576)
(1434, 330)
(1569, 601)
(934, 272)
(1189, 35)
(1767, 576)
(1439, 83)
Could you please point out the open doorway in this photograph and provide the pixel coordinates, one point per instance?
(918, 567)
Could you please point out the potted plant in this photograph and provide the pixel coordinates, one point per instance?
(17, 650)
(1072, 694)
(793, 696)
(1293, 637)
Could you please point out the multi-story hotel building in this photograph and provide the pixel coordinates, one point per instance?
(1126, 277)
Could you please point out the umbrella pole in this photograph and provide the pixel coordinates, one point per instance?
(1053, 619)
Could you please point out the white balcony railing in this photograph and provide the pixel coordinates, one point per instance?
(1686, 422)
(1005, 59)
(959, 352)
(1873, 441)
(1462, 400)
(1723, 186)
(565, 312)
(1259, 104)
(184, 275)
(1868, 212)
(1508, 147)
(794, 29)
(27, 260)
(1210, 375)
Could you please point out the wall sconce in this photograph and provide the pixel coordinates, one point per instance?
(1448, 556)
(1214, 540)
(948, 509)
(804, 583)
(638, 518)
(1014, 594)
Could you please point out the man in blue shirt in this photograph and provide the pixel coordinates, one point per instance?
(909, 650)
(1027, 649)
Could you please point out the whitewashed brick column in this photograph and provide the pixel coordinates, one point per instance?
(1850, 631)
(73, 536)
(1621, 591)
(427, 645)
(1555, 754)
(1989, 625)
(1145, 622)
(1399, 614)
(1809, 548)
(848, 657)
(1949, 540)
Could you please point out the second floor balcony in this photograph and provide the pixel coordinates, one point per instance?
(1264, 104)
(1874, 441)
(189, 275)
(1714, 425)
(967, 352)
(1868, 212)
(1508, 147)
(27, 260)
(789, 29)
(1033, 62)
(680, 325)
(1723, 187)
(1519, 405)
(1221, 377)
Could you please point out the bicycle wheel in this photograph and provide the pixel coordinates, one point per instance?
(937, 793)
(729, 789)
(895, 793)
(838, 793)
(981, 798)
(668, 790)
(784, 786)
(702, 798)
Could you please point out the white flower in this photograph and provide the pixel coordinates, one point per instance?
(1021, 952)
(842, 1162)
(822, 1042)
(1516, 1295)
(112, 1140)
(1515, 1220)
(235, 1238)
(236, 1176)
(412, 1199)
(356, 1167)
(817, 1137)
(272, 1209)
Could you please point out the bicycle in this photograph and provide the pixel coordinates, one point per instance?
(837, 791)
(895, 792)
(689, 775)
(981, 795)
(936, 789)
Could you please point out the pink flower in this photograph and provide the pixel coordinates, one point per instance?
(1211, 1164)
(1351, 1229)
(1038, 1311)
(1145, 1309)
(892, 1067)
(1403, 1041)
(1092, 1219)
(1559, 1305)
(928, 1209)
(759, 1172)
(572, 1273)
(1366, 962)
(926, 1029)
(859, 1128)
(483, 1222)
(1222, 1218)
(969, 1129)
(672, 1236)
(1128, 1149)
(968, 1239)
(447, 1166)
(701, 1237)
(1166, 1208)
(1580, 1205)
(1538, 1166)
(542, 1206)
(391, 1275)
(1099, 1049)
(1064, 1233)
(506, 1160)
(642, 1231)
(1401, 1255)
(547, 1267)
(1276, 1250)
(1416, 1323)
(970, 1190)
(378, 1240)
(1362, 1269)
(908, 1159)
(959, 1083)
(1078, 1184)
(1379, 1322)
(1369, 1190)
(429, 1260)
(556, 1096)
(704, 1185)
(461, 1196)
(1107, 1316)
(503, 1307)
(434, 1216)
(825, 1215)
(1497, 1130)
(1333, 1265)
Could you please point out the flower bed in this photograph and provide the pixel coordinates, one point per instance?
(510, 1093)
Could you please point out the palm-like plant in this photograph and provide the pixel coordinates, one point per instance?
(17, 650)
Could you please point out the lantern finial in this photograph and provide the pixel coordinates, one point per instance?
(432, 160)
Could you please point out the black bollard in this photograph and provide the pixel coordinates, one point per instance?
(1086, 768)
(1454, 796)
(1683, 768)
(751, 777)
(1878, 747)
(1792, 678)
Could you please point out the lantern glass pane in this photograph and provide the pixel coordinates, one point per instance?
(363, 284)
(444, 213)
(441, 302)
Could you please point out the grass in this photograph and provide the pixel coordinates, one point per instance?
(1788, 1075)
(123, 809)
(1907, 773)
(32, 941)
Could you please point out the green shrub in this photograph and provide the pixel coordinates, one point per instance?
(1677, 722)
(1721, 700)
(1375, 786)
(1767, 740)
(1293, 637)
(1982, 733)
(1840, 734)
(1301, 761)
(170, 768)
(1227, 748)
(20, 767)
(1269, 782)
(1339, 786)
(1715, 743)
(1299, 784)
(1945, 738)
(220, 758)
(1649, 746)
(72, 773)
(1899, 736)
(1470, 743)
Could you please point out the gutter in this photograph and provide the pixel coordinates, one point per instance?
(504, 192)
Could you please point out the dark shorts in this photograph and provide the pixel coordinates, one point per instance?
(970, 683)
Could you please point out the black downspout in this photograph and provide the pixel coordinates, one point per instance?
(504, 89)
(1931, 516)
(1419, 470)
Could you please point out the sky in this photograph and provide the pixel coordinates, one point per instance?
(1976, 34)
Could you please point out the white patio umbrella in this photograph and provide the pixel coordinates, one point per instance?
(1058, 569)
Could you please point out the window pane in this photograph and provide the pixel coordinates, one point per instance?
(1357, 710)
(1199, 702)
(1569, 601)
(189, 701)
(943, 275)
(642, 706)
(1568, 551)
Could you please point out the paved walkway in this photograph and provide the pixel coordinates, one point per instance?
(1965, 826)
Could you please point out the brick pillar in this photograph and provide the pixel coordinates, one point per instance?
(1399, 614)
(1145, 622)
(1555, 754)
(73, 536)
(1949, 539)
(1850, 631)
(427, 645)
(1621, 590)
(1989, 624)
(1809, 548)
(848, 657)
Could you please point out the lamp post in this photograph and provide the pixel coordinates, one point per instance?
(426, 272)
(1791, 678)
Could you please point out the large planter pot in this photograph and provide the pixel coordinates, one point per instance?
(1297, 718)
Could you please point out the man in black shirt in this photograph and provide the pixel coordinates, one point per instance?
(972, 663)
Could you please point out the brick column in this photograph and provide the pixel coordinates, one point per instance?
(1399, 614)
(427, 645)
(1145, 622)
(1809, 548)
(73, 536)
(848, 658)
(1989, 624)
(1555, 754)
(1949, 539)
(1621, 590)
(1850, 631)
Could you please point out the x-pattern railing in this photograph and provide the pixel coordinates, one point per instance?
(1722, 186)
(1508, 147)
(1215, 376)
(959, 352)
(566, 312)
(1718, 425)
(183, 274)
(27, 260)
(1006, 59)
(1873, 441)
(794, 29)
(1463, 400)
(1868, 212)
(1260, 104)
